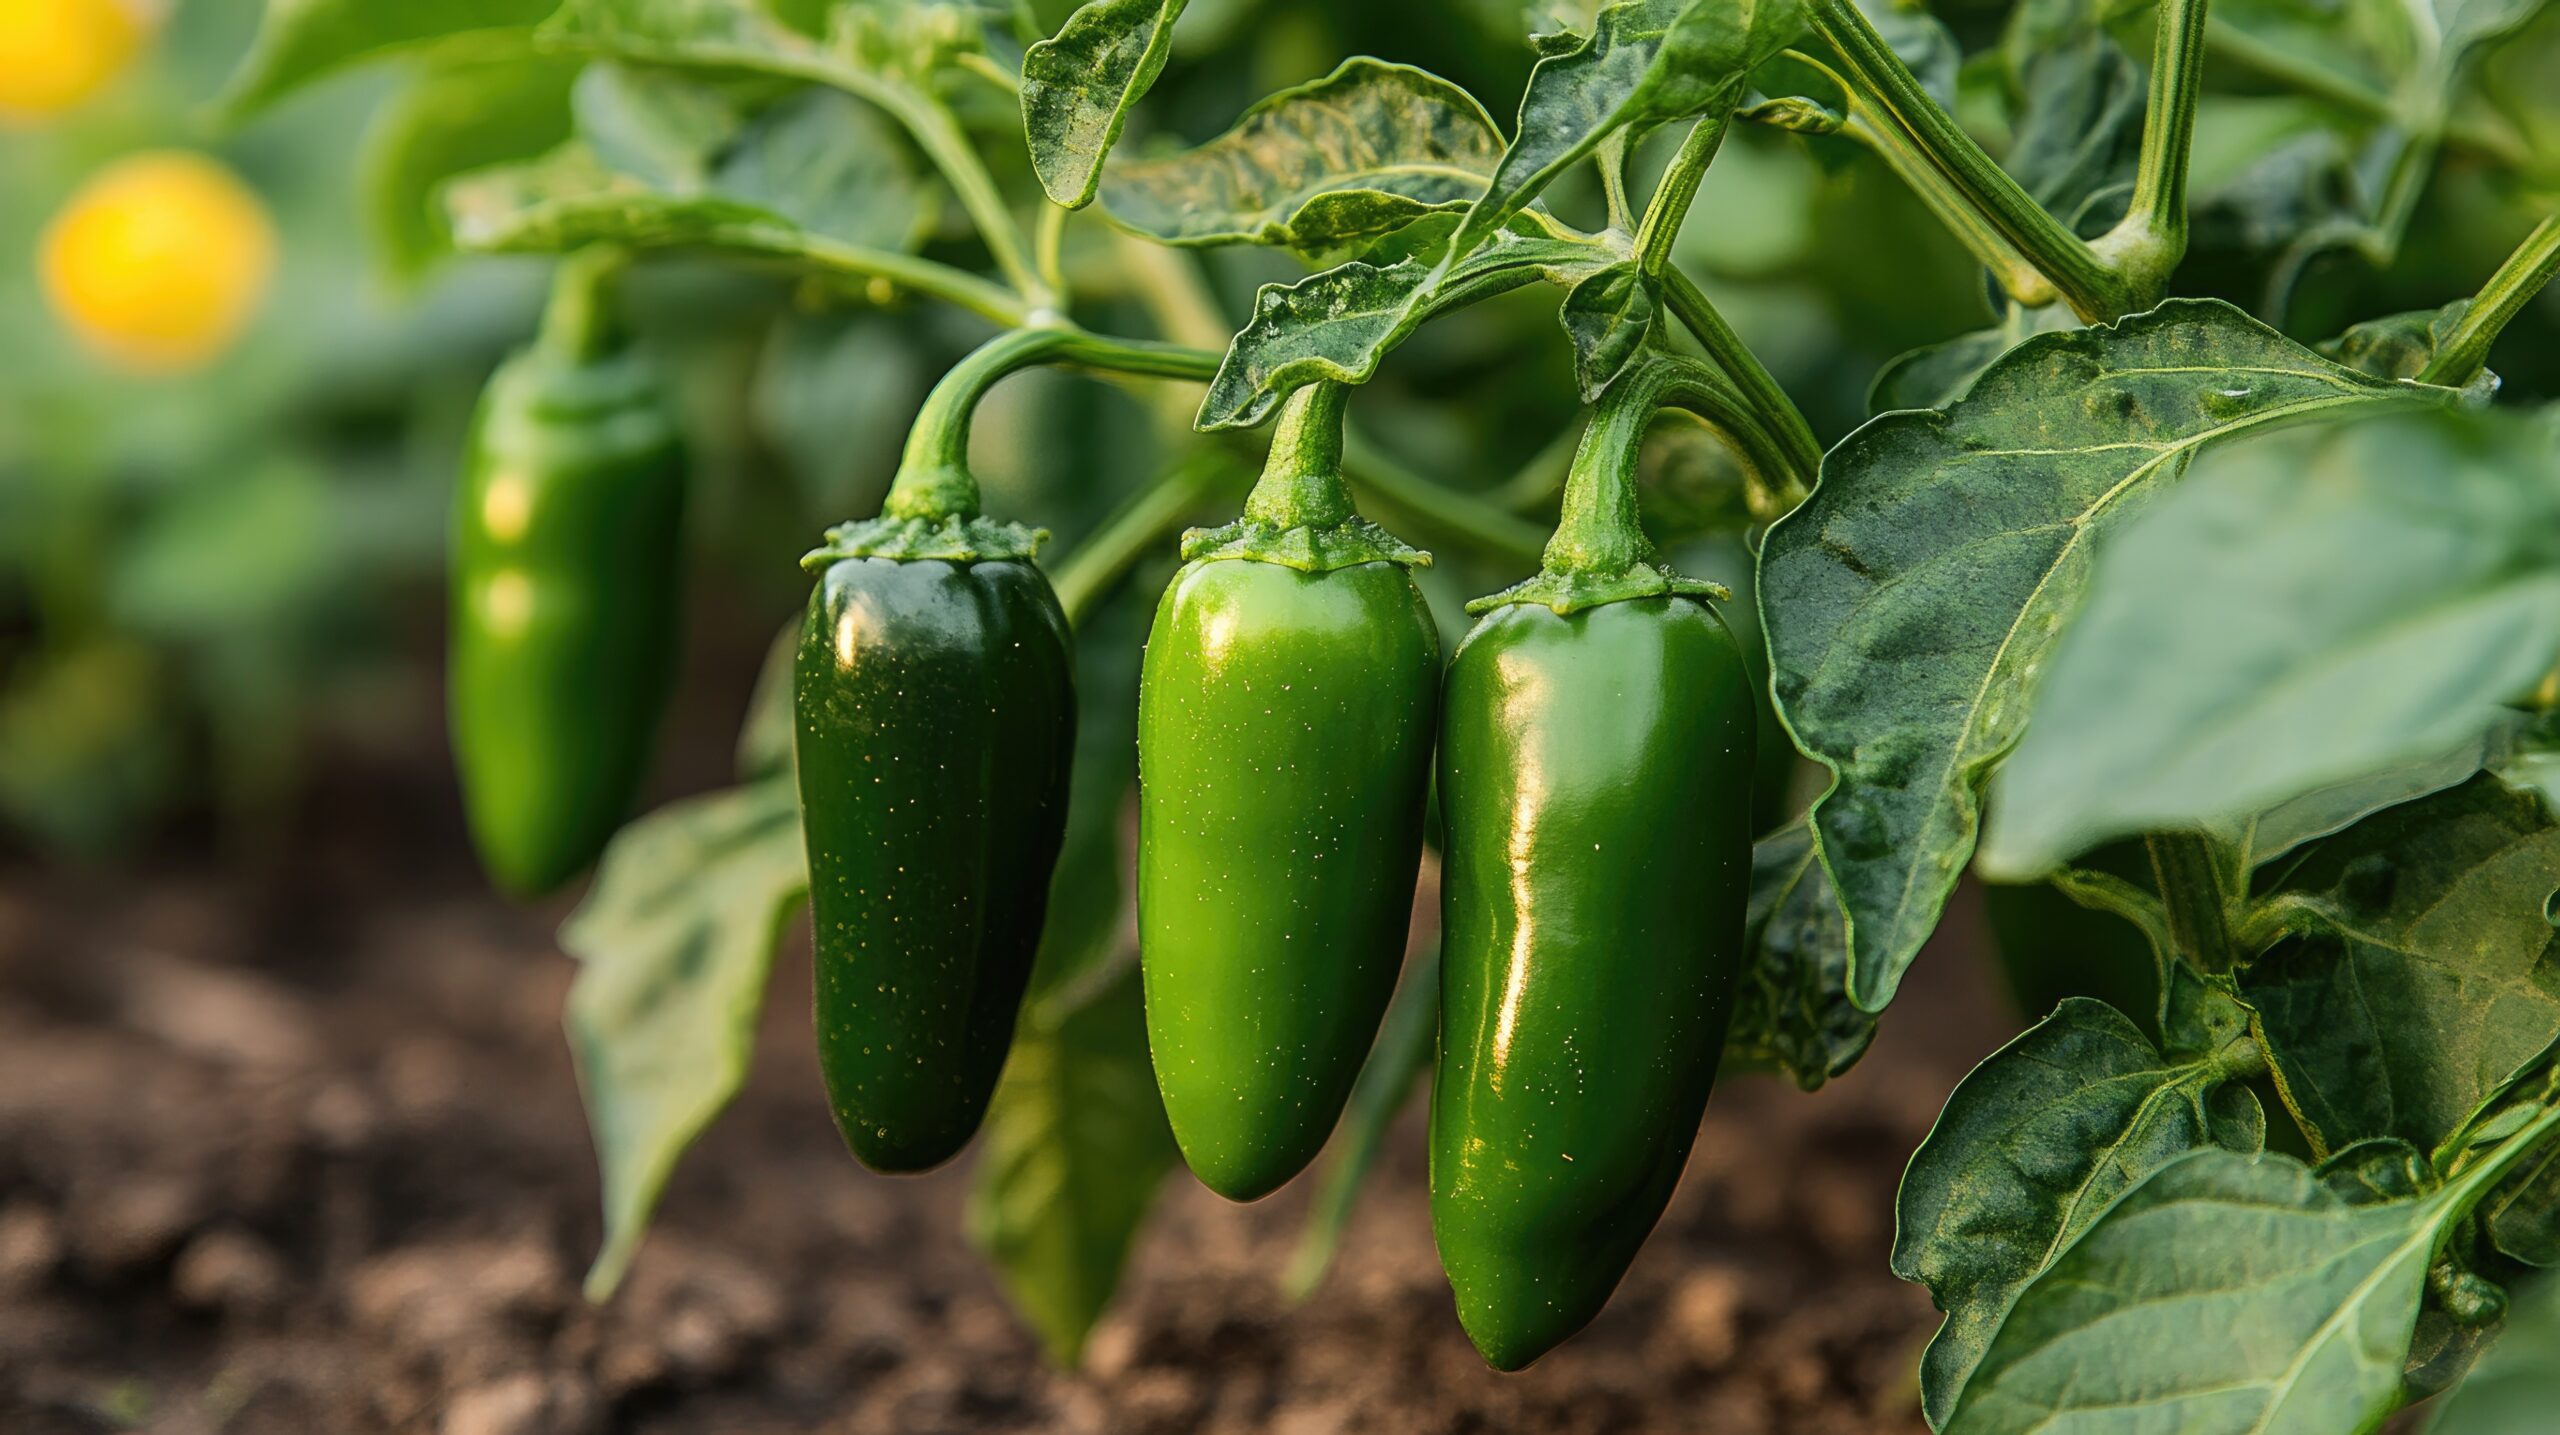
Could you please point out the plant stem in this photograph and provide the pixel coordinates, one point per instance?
(942, 281)
(2024, 283)
(939, 136)
(2148, 242)
(1676, 191)
(579, 321)
(1795, 443)
(1533, 486)
(2094, 290)
(1049, 250)
(1390, 490)
(933, 476)
(1612, 159)
(2466, 350)
(1139, 525)
(2193, 889)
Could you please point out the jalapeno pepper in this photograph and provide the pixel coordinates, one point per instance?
(1286, 719)
(566, 617)
(1596, 759)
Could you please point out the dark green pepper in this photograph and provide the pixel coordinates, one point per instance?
(1285, 724)
(566, 592)
(1596, 761)
(935, 697)
(936, 727)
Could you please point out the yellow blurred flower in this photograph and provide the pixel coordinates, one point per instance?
(54, 54)
(160, 260)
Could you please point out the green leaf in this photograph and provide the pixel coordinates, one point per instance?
(1338, 324)
(455, 117)
(802, 179)
(1609, 315)
(2427, 972)
(2224, 1295)
(2031, 1147)
(674, 944)
(2335, 808)
(2400, 346)
(1936, 375)
(1791, 1009)
(2081, 99)
(2523, 1220)
(1078, 85)
(2531, 762)
(1911, 600)
(2226, 660)
(1646, 62)
(743, 34)
(303, 40)
(1406, 1040)
(1074, 1148)
(2516, 1386)
(1319, 169)
(766, 740)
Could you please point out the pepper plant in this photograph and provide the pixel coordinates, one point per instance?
(2242, 636)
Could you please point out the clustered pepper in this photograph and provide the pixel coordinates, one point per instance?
(1285, 725)
(566, 590)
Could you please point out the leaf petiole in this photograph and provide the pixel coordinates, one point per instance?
(2513, 286)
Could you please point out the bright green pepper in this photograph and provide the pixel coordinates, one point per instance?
(935, 696)
(1285, 724)
(566, 574)
(1596, 760)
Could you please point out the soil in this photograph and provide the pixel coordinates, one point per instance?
(304, 1153)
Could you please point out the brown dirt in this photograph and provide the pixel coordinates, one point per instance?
(305, 1154)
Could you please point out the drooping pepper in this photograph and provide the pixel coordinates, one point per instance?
(1596, 757)
(934, 689)
(566, 589)
(1285, 724)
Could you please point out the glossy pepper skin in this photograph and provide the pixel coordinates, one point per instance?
(1595, 784)
(1285, 723)
(936, 725)
(567, 561)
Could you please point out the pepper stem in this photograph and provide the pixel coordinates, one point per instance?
(1600, 553)
(579, 322)
(934, 482)
(1301, 484)
(1600, 529)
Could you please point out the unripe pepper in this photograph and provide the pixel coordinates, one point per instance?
(1596, 757)
(1285, 722)
(567, 613)
(934, 690)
